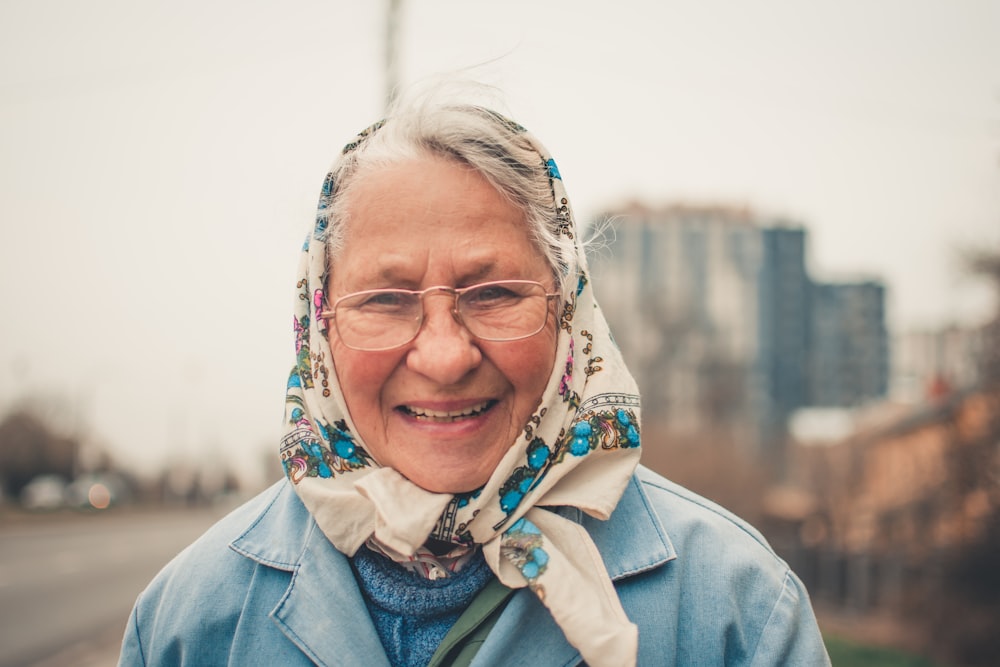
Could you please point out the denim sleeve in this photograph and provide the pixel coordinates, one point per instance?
(791, 635)
(131, 653)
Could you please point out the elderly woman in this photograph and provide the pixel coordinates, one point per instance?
(461, 448)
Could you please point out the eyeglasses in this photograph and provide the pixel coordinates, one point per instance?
(382, 319)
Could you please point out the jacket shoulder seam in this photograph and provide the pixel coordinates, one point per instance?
(785, 589)
(138, 635)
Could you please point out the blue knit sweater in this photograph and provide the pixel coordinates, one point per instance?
(412, 614)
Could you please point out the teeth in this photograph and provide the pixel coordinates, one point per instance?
(447, 415)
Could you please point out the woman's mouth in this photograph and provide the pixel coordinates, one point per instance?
(446, 416)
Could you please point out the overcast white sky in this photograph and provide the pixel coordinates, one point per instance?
(159, 163)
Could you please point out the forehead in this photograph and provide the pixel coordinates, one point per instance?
(432, 215)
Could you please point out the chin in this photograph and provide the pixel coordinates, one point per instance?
(452, 483)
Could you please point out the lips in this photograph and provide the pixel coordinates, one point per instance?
(446, 416)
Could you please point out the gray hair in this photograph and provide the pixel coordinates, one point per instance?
(495, 147)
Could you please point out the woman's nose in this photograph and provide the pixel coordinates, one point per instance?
(444, 350)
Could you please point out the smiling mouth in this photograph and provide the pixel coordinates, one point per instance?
(447, 416)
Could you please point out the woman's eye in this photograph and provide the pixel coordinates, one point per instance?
(384, 300)
(491, 294)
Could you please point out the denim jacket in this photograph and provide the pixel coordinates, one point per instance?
(265, 587)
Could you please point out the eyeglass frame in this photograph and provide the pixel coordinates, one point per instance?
(456, 292)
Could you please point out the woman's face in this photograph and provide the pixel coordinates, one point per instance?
(443, 409)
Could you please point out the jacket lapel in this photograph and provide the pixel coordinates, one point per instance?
(322, 610)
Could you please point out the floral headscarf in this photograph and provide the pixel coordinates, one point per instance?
(578, 449)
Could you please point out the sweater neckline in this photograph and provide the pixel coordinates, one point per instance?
(398, 590)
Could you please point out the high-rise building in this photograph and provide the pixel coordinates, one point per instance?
(783, 288)
(849, 344)
(680, 288)
(718, 319)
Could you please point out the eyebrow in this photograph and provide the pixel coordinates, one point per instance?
(484, 270)
(393, 273)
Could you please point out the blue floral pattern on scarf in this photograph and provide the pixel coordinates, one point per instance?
(524, 545)
(604, 429)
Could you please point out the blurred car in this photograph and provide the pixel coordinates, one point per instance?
(45, 492)
(96, 491)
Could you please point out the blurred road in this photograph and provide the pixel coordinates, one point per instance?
(68, 581)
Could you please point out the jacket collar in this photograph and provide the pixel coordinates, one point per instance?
(633, 540)
(322, 610)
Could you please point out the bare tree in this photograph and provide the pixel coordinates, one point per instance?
(30, 447)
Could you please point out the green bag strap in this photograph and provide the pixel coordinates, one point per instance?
(462, 642)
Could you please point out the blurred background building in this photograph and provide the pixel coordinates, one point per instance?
(716, 312)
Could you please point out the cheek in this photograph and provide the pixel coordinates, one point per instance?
(529, 366)
(361, 376)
